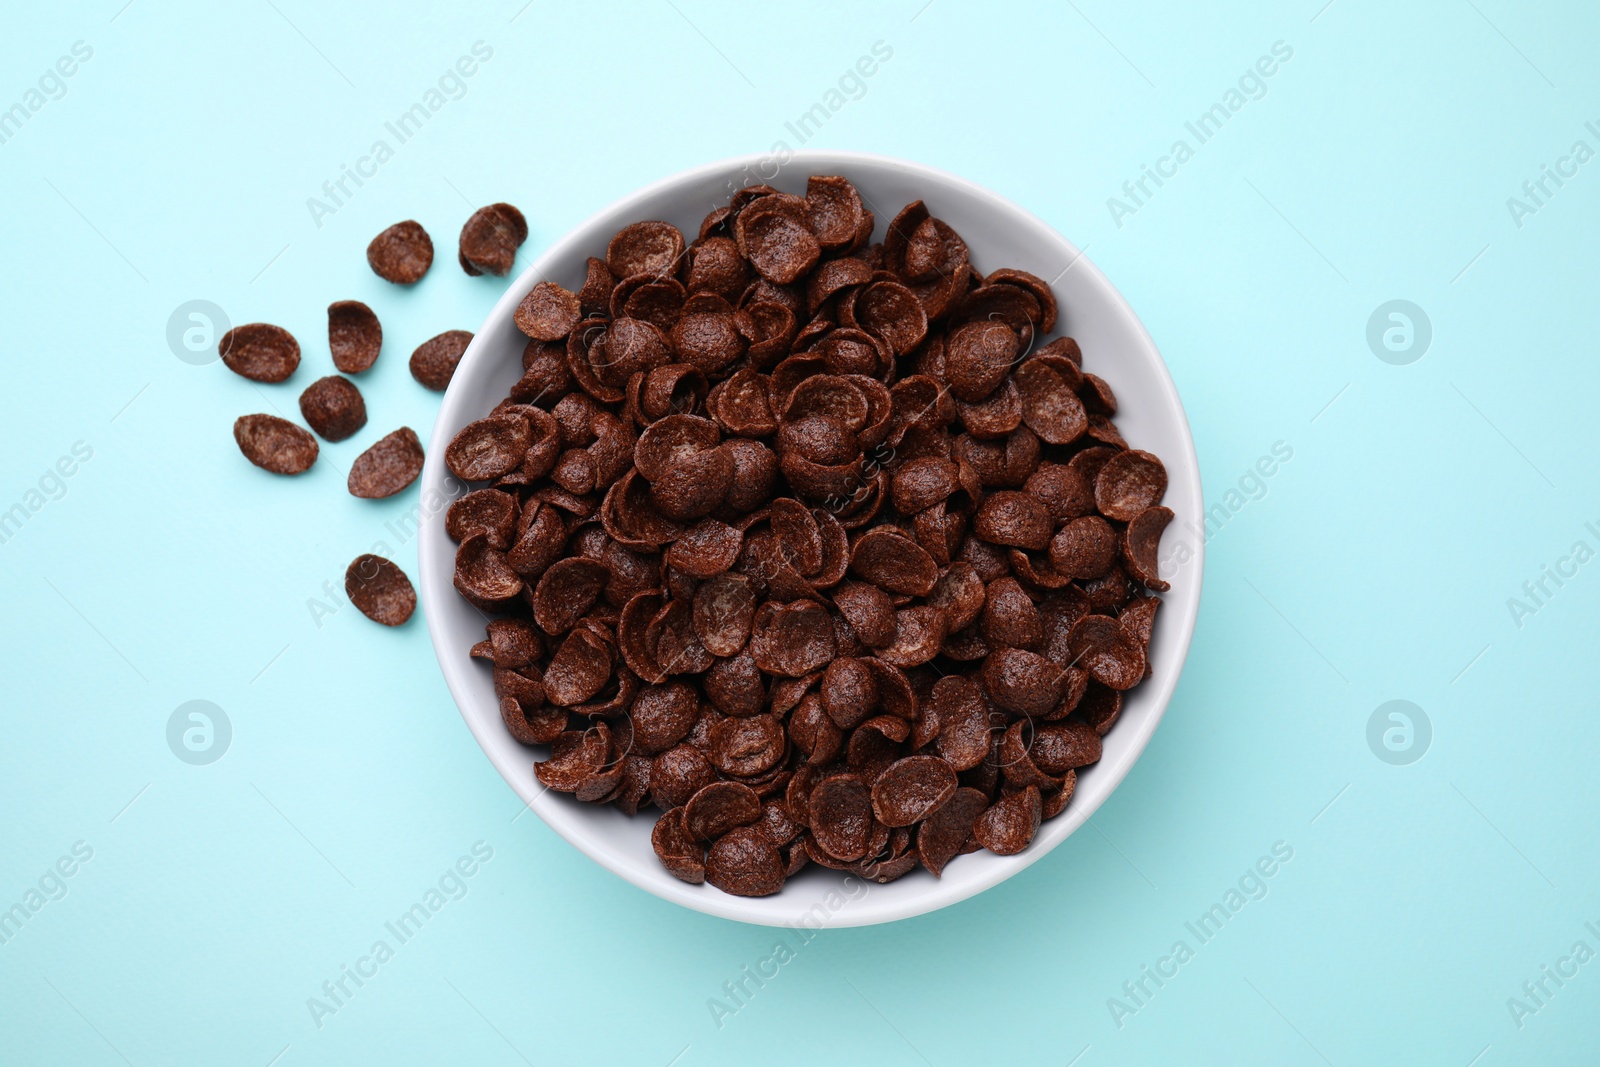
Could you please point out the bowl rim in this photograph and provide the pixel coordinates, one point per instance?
(766, 911)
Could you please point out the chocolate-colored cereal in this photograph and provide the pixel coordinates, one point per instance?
(912, 789)
(745, 863)
(894, 563)
(869, 611)
(789, 640)
(1049, 407)
(1100, 707)
(482, 574)
(724, 609)
(275, 444)
(513, 644)
(1009, 824)
(1012, 518)
(708, 548)
(391, 464)
(1140, 619)
(679, 853)
(401, 254)
(566, 591)
(582, 664)
(748, 746)
(488, 511)
(941, 836)
(774, 237)
(595, 296)
(575, 757)
(653, 248)
(1009, 616)
(489, 447)
(1130, 482)
(813, 733)
(1064, 491)
(839, 812)
(892, 312)
(964, 726)
(1023, 682)
(1061, 746)
(530, 722)
(379, 590)
(434, 361)
(1084, 548)
(548, 312)
(718, 808)
(354, 335)
(978, 357)
(1097, 395)
(919, 631)
(840, 565)
(920, 483)
(677, 774)
(777, 823)
(1035, 286)
(1141, 542)
(849, 691)
(260, 351)
(835, 211)
(333, 407)
(662, 715)
(1111, 653)
(490, 239)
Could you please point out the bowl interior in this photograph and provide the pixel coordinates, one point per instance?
(1115, 346)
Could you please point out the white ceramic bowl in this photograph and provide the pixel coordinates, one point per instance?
(1000, 234)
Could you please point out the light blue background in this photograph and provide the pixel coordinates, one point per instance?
(1377, 566)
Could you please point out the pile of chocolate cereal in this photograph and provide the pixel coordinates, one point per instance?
(824, 548)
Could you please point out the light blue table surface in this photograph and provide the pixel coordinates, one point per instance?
(1428, 540)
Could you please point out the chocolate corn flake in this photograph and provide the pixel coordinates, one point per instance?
(401, 254)
(744, 747)
(260, 351)
(1062, 746)
(678, 774)
(392, 463)
(941, 835)
(1111, 652)
(1085, 547)
(434, 362)
(576, 756)
(978, 357)
(333, 407)
(836, 211)
(490, 239)
(488, 511)
(379, 590)
(548, 312)
(354, 335)
(1008, 826)
(1013, 518)
(489, 448)
(839, 813)
(774, 236)
(1128, 483)
(677, 850)
(1141, 541)
(910, 790)
(745, 863)
(651, 248)
(719, 807)
(824, 548)
(274, 444)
